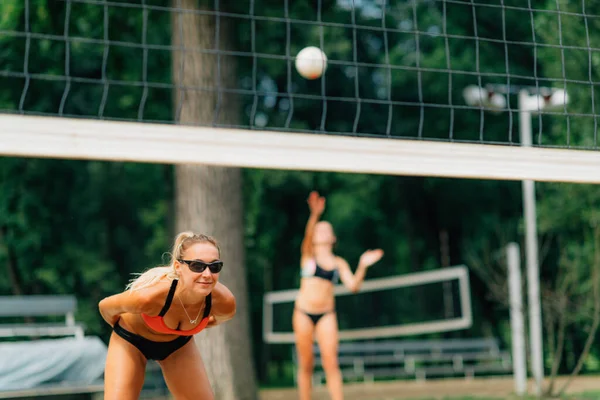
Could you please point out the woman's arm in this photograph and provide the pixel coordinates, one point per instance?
(223, 305)
(132, 301)
(354, 281)
(316, 205)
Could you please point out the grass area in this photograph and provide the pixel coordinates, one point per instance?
(490, 388)
(460, 398)
(579, 396)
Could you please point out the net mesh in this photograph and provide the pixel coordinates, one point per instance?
(430, 69)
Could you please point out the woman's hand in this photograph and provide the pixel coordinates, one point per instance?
(111, 319)
(223, 306)
(212, 321)
(370, 257)
(316, 203)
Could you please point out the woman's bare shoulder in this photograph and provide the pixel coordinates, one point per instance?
(341, 261)
(153, 295)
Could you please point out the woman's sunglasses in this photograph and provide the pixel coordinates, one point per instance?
(200, 266)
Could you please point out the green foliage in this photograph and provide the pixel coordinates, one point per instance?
(79, 227)
(569, 213)
(83, 226)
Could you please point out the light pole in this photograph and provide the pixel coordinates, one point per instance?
(540, 99)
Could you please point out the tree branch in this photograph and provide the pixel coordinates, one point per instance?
(596, 320)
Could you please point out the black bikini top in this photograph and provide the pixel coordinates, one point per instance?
(313, 269)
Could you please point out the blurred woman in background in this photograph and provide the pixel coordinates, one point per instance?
(314, 310)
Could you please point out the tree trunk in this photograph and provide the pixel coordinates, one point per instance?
(445, 263)
(559, 345)
(209, 199)
(11, 265)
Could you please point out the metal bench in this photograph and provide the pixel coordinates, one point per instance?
(36, 307)
(55, 390)
(39, 306)
(418, 359)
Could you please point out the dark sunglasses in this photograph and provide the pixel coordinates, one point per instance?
(200, 266)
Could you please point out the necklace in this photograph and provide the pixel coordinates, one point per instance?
(192, 321)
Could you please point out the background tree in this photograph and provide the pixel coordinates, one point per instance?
(83, 227)
(209, 199)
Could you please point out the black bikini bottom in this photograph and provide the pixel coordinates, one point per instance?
(314, 317)
(150, 349)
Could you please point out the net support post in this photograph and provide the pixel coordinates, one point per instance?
(527, 105)
(517, 322)
(267, 320)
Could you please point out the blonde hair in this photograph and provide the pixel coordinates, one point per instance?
(154, 275)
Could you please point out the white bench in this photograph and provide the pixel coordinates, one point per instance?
(39, 306)
(33, 307)
(418, 359)
(23, 326)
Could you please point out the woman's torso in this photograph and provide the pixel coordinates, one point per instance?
(175, 318)
(316, 292)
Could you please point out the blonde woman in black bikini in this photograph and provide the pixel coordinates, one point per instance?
(314, 312)
(157, 316)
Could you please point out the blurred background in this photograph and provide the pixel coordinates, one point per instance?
(396, 69)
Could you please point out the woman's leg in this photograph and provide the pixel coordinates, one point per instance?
(125, 370)
(327, 337)
(304, 334)
(185, 374)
